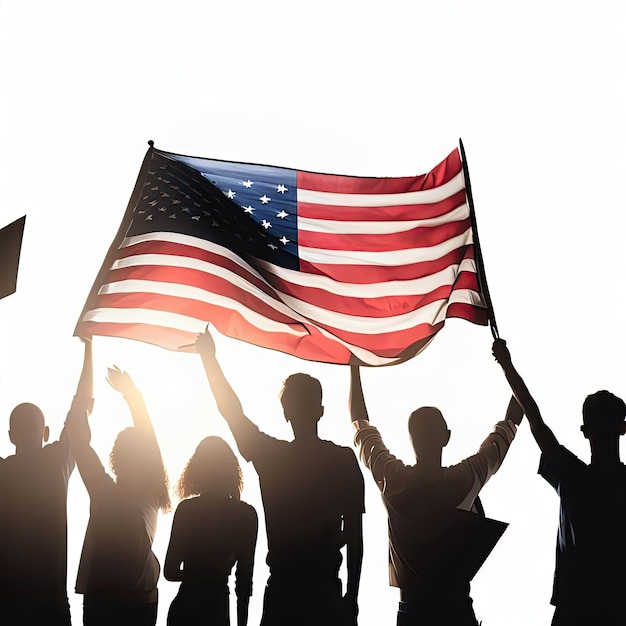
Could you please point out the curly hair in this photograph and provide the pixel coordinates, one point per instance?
(136, 456)
(213, 468)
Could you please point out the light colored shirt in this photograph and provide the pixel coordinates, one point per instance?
(417, 501)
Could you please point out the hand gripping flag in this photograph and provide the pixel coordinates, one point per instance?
(325, 267)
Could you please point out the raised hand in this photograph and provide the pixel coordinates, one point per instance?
(501, 352)
(205, 345)
(121, 381)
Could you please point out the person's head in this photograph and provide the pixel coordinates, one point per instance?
(136, 462)
(429, 431)
(301, 397)
(27, 429)
(604, 416)
(212, 469)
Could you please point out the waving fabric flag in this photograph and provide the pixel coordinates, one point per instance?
(324, 267)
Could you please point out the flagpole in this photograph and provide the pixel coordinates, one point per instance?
(121, 233)
(480, 266)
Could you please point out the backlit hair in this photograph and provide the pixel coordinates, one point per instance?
(213, 468)
(137, 453)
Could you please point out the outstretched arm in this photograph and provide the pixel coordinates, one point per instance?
(358, 410)
(83, 398)
(541, 432)
(227, 401)
(124, 384)
(514, 412)
(89, 465)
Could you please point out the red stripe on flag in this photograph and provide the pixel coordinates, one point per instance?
(381, 307)
(477, 315)
(439, 175)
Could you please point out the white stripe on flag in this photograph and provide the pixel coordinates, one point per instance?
(338, 227)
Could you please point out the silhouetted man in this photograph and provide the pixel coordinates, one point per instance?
(590, 574)
(33, 517)
(313, 502)
(428, 507)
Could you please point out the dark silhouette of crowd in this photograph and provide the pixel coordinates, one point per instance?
(313, 503)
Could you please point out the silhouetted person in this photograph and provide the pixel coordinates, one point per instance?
(210, 533)
(118, 571)
(423, 503)
(312, 494)
(33, 515)
(590, 574)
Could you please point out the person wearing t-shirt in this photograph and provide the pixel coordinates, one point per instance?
(213, 529)
(313, 497)
(33, 516)
(590, 573)
(422, 503)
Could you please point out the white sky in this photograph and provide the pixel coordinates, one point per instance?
(535, 91)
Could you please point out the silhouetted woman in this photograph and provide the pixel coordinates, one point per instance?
(118, 571)
(210, 533)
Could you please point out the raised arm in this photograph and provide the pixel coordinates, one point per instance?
(227, 401)
(541, 432)
(358, 410)
(124, 384)
(514, 412)
(89, 465)
(84, 389)
(83, 398)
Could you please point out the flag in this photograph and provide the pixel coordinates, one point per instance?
(325, 267)
(10, 248)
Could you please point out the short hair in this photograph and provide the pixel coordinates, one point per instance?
(26, 415)
(301, 387)
(213, 467)
(603, 411)
(427, 421)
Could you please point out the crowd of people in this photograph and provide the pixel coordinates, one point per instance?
(313, 502)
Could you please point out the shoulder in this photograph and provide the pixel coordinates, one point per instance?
(254, 444)
(247, 511)
(185, 505)
(562, 456)
(57, 449)
(339, 454)
(464, 470)
(558, 464)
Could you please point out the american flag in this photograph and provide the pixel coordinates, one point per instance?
(325, 267)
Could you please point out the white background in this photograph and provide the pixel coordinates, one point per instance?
(536, 91)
